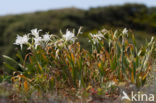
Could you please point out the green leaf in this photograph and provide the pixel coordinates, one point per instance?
(10, 59)
(9, 66)
(113, 64)
(13, 61)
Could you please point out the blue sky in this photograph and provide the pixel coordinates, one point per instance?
(25, 6)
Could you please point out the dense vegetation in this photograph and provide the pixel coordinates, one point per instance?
(58, 64)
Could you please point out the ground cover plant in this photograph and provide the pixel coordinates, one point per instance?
(48, 63)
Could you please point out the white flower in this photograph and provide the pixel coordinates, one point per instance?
(46, 37)
(21, 40)
(35, 32)
(38, 41)
(96, 37)
(69, 36)
(125, 31)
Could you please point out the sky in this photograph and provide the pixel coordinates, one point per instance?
(26, 6)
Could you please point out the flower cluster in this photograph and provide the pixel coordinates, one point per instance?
(95, 38)
(37, 40)
(33, 39)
